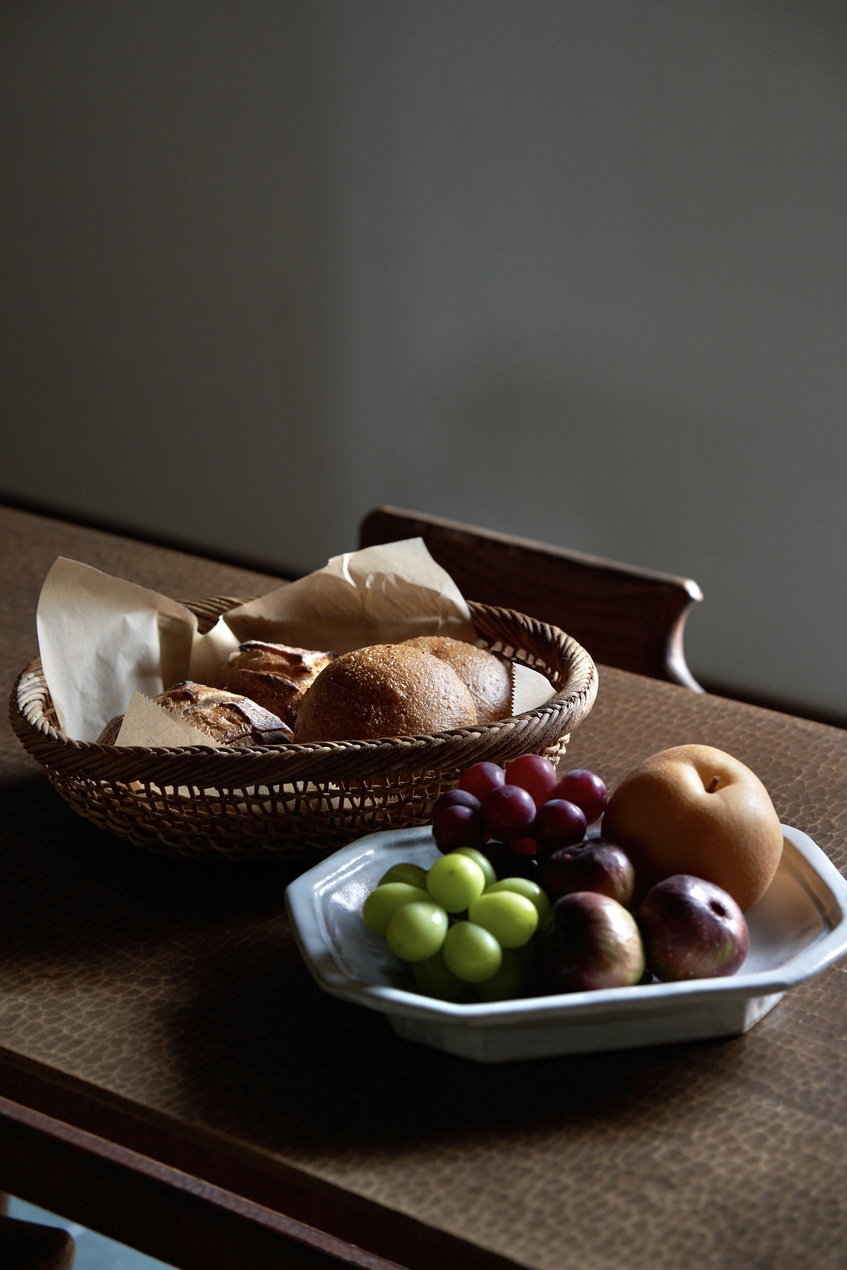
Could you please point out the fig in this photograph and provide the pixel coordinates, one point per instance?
(589, 941)
(692, 929)
(592, 865)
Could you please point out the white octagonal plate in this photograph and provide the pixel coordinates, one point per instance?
(796, 929)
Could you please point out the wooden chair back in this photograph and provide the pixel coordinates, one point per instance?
(624, 616)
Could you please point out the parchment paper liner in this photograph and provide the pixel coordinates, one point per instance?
(107, 645)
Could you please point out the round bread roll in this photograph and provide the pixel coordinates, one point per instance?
(383, 690)
(485, 675)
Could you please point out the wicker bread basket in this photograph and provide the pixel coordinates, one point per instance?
(290, 802)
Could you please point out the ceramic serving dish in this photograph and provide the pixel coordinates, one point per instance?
(796, 929)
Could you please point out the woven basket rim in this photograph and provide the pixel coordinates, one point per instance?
(314, 760)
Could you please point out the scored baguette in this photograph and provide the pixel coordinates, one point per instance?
(229, 718)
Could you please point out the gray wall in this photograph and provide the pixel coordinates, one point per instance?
(573, 269)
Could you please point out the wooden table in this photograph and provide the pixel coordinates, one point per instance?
(170, 1074)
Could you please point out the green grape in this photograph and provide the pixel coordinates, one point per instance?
(472, 953)
(483, 862)
(528, 888)
(511, 918)
(434, 979)
(455, 881)
(406, 872)
(383, 902)
(417, 930)
(510, 981)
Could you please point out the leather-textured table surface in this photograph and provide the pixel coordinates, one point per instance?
(162, 1004)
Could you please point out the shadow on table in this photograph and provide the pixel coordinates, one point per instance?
(250, 1043)
(293, 1068)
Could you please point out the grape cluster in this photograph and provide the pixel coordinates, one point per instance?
(467, 926)
(520, 814)
(465, 933)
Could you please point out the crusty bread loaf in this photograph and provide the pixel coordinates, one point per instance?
(487, 677)
(274, 675)
(383, 690)
(227, 717)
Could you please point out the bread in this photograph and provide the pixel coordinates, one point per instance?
(274, 675)
(488, 679)
(228, 718)
(384, 690)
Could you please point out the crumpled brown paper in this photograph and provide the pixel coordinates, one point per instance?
(107, 645)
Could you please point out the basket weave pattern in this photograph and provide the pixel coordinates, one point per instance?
(289, 802)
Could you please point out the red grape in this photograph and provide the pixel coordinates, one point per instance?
(534, 773)
(507, 812)
(481, 778)
(558, 824)
(584, 788)
(457, 826)
(453, 798)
